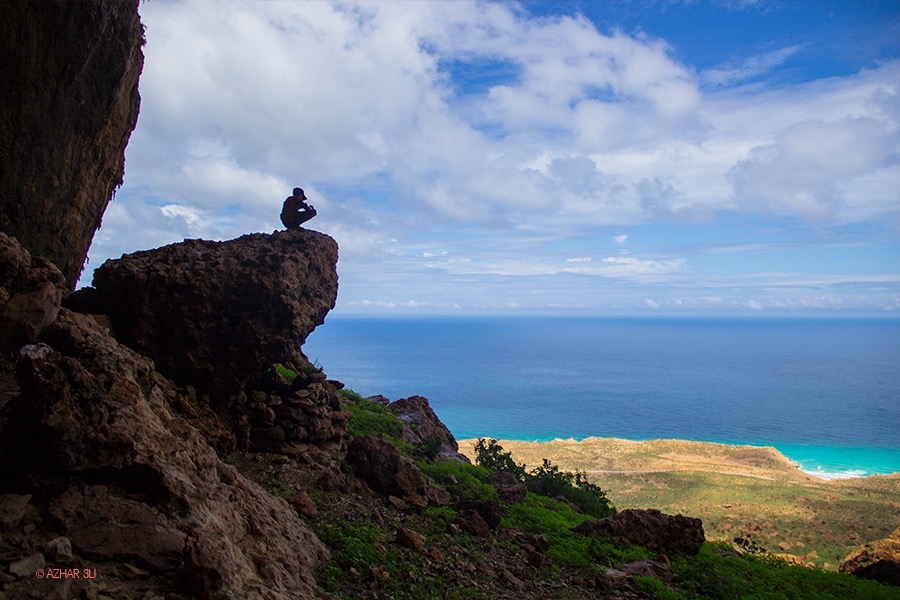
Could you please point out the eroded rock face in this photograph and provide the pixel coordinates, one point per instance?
(31, 289)
(213, 314)
(879, 560)
(70, 101)
(423, 427)
(128, 479)
(651, 529)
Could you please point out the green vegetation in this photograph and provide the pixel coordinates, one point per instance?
(370, 418)
(365, 560)
(547, 479)
(463, 481)
(286, 372)
(719, 573)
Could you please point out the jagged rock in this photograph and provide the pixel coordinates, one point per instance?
(381, 466)
(95, 420)
(215, 314)
(279, 417)
(108, 526)
(472, 522)
(304, 505)
(410, 539)
(422, 427)
(12, 509)
(489, 510)
(651, 529)
(59, 550)
(25, 567)
(69, 104)
(509, 489)
(878, 560)
(32, 289)
(649, 568)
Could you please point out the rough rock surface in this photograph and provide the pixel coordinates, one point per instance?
(879, 560)
(129, 480)
(31, 289)
(381, 466)
(286, 417)
(213, 314)
(423, 427)
(62, 144)
(651, 529)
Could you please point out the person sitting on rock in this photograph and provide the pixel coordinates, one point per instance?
(296, 211)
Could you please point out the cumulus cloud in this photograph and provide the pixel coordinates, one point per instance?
(422, 166)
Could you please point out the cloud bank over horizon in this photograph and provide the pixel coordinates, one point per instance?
(486, 157)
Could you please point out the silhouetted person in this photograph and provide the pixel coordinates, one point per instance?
(296, 211)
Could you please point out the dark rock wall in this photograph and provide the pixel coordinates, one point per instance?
(68, 104)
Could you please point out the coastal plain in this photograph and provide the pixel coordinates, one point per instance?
(751, 494)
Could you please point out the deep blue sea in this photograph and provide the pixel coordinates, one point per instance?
(825, 392)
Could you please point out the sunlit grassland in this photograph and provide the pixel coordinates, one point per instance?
(738, 491)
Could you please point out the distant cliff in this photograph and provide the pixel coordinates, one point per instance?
(68, 103)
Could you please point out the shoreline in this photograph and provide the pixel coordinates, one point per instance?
(723, 454)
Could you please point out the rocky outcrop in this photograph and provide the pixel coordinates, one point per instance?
(651, 529)
(385, 471)
(126, 479)
(286, 416)
(31, 289)
(423, 428)
(879, 560)
(70, 101)
(214, 314)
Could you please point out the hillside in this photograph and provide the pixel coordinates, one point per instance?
(746, 492)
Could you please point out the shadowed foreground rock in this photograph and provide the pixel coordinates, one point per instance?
(213, 314)
(128, 480)
(31, 289)
(879, 560)
(651, 529)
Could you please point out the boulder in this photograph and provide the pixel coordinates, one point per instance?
(128, 479)
(31, 290)
(215, 314)
(384, 470)
(651, 529)
(509, 489)
(472, 523)
(422, 427)
(878, 560)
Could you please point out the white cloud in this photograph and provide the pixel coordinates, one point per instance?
(420, 177)
(748, 68)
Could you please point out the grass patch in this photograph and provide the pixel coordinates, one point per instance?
(462, 480)
(555, 519)
(370, 418)
(749, 577)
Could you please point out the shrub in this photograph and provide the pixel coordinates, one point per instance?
(490, 455)
(431, 447)
(547, 480)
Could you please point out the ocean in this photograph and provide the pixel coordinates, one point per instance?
(825, 392)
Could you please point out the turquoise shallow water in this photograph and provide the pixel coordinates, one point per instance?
(826, 393)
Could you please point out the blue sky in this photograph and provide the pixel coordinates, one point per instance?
(647, 157)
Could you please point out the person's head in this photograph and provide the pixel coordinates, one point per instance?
(298, 192)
